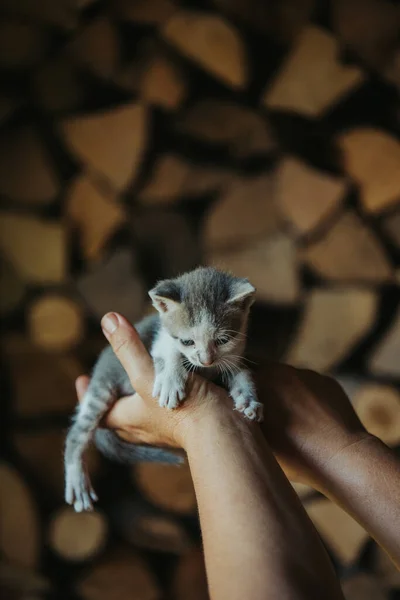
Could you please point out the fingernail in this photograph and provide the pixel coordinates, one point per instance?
(109, 323)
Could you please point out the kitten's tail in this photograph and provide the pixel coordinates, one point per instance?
(119, 451)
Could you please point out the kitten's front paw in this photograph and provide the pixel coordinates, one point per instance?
(248, 405)
(78, 489)
(170, 391)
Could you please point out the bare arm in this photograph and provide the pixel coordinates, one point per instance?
(258, 541)
(319, 440)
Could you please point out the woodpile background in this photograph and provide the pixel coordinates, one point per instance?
(140, 138)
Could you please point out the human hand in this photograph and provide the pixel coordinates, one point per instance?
(139, 418)
(309, 420)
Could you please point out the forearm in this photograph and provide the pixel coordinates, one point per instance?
(258, 541)
(365, 480)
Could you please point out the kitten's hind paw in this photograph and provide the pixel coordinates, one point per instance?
(252, 409)
(78, 489)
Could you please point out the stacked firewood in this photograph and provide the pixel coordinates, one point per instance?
(140, 138)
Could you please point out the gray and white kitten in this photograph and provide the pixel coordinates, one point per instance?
(200, 326)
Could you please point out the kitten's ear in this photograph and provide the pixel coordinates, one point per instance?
(242, 294)
(165, 296)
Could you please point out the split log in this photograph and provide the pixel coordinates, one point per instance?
(240, 130)
(60, 14)
(171, 254)
(21, 44)
(312, 79)
(269, 263)
(142, 526)
(211, 42)
(19, 522)
(112, 143)
(372, 158)
(245, 211)
(55, 322)
(58, 86)
(12, 288)
(349, 252)
(26, 174)
(35, 248)
(120, 575)
(369, 28)
(385, 357)
(161, 82)
(167, 486)
(77, 536)
(344, 536)
(42, 381)
(391, 226)
(378, 407)
(22, 581)
(42, 453)
(190, 579)
(173, 179)
(282, 20)
(95, 213)
(362, 587)
(384, 568)
(146, 12)
(303, 491)
(96, 48)
(113, 285)
(307, 197)
(335, 320)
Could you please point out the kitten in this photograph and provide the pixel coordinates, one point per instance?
(200, 326)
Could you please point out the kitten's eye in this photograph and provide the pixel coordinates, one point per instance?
(187, 342)
(224, 339)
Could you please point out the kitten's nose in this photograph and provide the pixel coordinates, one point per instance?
(207, 363)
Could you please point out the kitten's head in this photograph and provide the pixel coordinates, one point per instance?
(205, 312)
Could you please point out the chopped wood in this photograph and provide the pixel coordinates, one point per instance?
(12, 288)
(42, 382)
(114, 285)
(335, 320)
(26, 174)
(312, 79)
(190, 579)
(342, 534)
(391, 226)
(77, 536)
(369, 28)
(161, 83)
(349, 252)
(378, 407)
(270, 264)
(174, 178)
(211, 42)
(21, 580)
(307, 197)
(173, 254)
(120, 575)
(21, 44)
(96, 48)
(303, 491)
(111, 143)
(42, 453)
(385, 357)
(55, 322)
(35, 248)
(148, 12)
(61, 14)
(167, 486)
(281, 20)
(385, 569)
(19, 521)
(240, 129)
(372, 158)
(58, 86)
(96, 214)
(363, 587)
(245, 210)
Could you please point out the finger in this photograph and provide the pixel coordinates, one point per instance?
(130, 351)
(81, 385)
(130, 409)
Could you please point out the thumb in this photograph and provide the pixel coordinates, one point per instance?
(130, 351)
